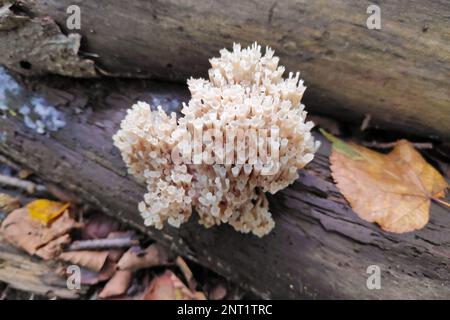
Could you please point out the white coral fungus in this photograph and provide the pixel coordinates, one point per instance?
(245, 90)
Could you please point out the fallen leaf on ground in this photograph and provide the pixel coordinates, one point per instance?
(8, 203)
(394, 190)
(21, 230)
(136, 258)
(168, 287)
(92, 260)
(54, 248)
(46, 210)
(117, 285)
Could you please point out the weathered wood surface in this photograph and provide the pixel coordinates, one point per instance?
(399, 74)
(318, 249)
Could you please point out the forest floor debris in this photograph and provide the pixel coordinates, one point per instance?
(114, 262)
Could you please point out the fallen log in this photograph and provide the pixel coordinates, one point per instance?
(398, 74)
(318, 249)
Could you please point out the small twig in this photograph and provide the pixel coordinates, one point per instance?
(444, 203)
(102, 244)
(29, 186)
(389, 145)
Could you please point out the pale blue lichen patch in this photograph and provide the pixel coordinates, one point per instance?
(35, 111)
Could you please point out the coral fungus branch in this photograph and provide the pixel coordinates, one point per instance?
(243, 133)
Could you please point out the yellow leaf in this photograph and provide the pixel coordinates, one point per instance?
(394, 190)
(46, 210)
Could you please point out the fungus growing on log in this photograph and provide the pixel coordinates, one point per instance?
(243, 133)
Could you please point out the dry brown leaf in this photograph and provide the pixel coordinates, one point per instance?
(136, 258)
(117, 285)
(54, 248)
(168, 287)
(394, 190)
(92, 260)
(29, 234)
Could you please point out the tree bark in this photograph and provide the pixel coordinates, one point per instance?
(319, 248)
(398, 74)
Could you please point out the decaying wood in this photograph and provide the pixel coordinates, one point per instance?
(398, 75)
(23, 272)
(36, 45)
(318, 249)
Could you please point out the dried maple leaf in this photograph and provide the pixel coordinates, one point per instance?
(394, 190)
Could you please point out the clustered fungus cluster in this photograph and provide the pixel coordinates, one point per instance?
(245, 91)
